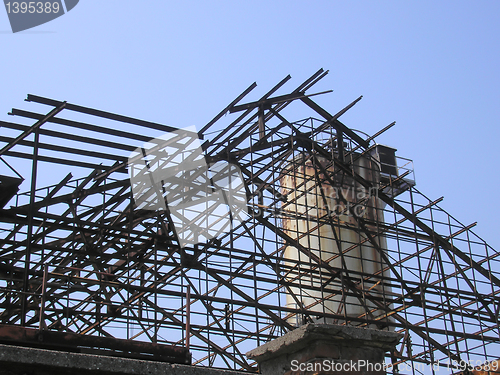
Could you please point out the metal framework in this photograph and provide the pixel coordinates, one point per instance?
(78, 256)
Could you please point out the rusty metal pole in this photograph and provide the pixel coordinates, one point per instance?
(29, 234)
(188, 315)
(262, 126)
(41, 326)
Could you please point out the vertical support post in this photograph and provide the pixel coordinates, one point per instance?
(262, 132)
(188, 315)
(41, 326)
(340, 144)
(100, 299)
(29, 235)
(226, 317)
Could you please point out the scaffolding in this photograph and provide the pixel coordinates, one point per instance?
(79, 256)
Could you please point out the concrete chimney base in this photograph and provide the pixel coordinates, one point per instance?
(325, 349)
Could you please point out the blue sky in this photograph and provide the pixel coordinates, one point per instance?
(431, 66)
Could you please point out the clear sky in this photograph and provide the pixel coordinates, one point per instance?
(432, 66)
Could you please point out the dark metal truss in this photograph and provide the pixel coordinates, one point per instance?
(78, 256)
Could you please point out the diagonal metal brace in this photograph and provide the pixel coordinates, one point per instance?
(34, 127)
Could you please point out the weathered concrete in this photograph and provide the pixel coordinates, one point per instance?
(325, 345)
(17, 360)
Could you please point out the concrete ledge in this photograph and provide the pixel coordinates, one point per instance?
(304, 336)
(326, 349)
(17, 360)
